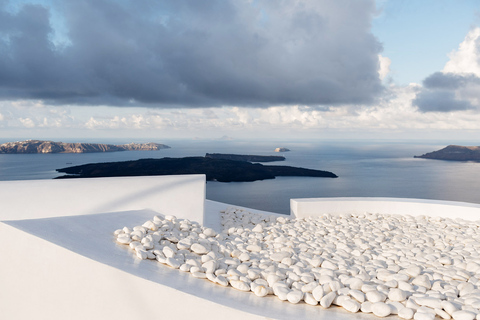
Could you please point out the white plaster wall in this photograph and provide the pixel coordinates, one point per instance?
(40, 280)
(448, 209)
(31, 199)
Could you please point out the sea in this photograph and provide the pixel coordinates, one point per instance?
(365, 168)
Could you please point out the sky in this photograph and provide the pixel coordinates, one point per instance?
(239, 69)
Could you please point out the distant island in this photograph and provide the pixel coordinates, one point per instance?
(281, 149)
(39, 146)
(454, 153)
(215, 169)
(241, 157)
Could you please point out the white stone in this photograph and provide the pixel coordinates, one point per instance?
(295, 296)
(327, 300)
(429, 302)
(381, 309)
(375, 296)
(240, 285)
(366, 307)
(318, 293)
(424, 316)
(351, 305)
(405, 313)
(357, 295)
(309, 299)
(278, 256)
(397, 294)
(463, 315)
(260, 291)
(198, 248)
(422, 280)
(442, 314)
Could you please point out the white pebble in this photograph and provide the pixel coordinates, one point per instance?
(375, 296)
(351, 305)
(424, 316)
(357, 295)
(366, 307)
(327, 300)
(463, 315)
(405, 313)
(260, 291)
(397, 294)
(318, 293)
(309, 299)
(381, 309)
(240, 285)
(198, 248)
(295, 296)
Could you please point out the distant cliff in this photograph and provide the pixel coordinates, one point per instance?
(215, 169)
(38, 146)
(241, 157)
(455, 153)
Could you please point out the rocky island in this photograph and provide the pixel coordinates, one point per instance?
(241, 157)
(221, 170)
(39, 146)
(454, 153)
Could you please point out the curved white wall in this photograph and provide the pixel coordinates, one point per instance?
(448, 209)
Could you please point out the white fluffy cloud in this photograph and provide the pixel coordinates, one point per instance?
(457, 87)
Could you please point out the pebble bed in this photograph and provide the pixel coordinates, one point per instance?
(418, 268)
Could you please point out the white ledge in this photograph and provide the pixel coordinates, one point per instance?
(301, 208)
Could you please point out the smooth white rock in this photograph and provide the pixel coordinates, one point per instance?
(260, 291)
(396, 294)
(295, 296)
(198, 248)
(351, 305)
(463, 315)
(327, 300)
(442, 314)
(240, 285)
(366, 307)
(375, 296)
(318, 293)
(405, 313)
(357, 295)
(381, 309)
(309, 299)
(424, 316)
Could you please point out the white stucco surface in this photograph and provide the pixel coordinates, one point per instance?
(59, 259)
(32, 199)
(446, 209)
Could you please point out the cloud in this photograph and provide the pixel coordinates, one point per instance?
(190, 53)
(440, 101)
(466, 58)
(384, 66)
(457, 87)
(450, 81)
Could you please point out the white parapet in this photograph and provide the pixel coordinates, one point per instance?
(31, 199)
(301, 208)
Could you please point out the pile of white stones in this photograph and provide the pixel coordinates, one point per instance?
(414, 267)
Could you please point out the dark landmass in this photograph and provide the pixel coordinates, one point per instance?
(38, 146)
(241, 157)
(454, 153)
(215, 169)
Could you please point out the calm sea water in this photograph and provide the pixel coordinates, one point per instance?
(365, 169)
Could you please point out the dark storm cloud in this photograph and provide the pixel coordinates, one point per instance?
(440, 101)
(190, 52)
(449, 81)
(439, 92)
